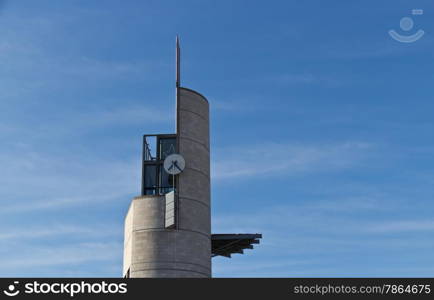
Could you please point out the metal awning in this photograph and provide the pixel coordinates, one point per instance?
(227, 244)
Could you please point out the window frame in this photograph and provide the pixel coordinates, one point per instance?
(147, 159)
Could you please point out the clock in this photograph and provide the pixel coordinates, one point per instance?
(174, 164)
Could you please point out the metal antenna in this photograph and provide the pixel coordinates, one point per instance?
(178, 63)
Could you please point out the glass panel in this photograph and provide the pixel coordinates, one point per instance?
(156, 148)
(167, 147)
(150, 182)
(150, 149)
(166, 181)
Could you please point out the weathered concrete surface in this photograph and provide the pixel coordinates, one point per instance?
(194, 183)
(150, 250)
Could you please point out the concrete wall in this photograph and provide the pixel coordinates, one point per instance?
(150, 250)
(194, 182)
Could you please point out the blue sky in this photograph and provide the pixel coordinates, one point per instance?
(321, 131)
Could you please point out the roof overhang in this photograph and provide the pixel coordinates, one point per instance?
(228, 244)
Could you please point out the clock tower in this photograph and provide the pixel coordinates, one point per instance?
(168, 227)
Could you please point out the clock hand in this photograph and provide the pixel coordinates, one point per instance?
(176, 165)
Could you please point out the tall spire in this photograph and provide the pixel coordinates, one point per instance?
(178, 63)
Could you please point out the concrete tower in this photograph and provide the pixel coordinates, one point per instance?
(168, 227)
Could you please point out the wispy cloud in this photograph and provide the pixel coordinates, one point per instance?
(61, 249)
(53, 230)
(52, 203)
(124, 115)
(274, 158)
(268, 268)
(296, 235)
(64, 255)
(239, 105)
(55, 181)
(330, 217)
(78, 123)
(307, 78)
(402, 226)
(34, 63)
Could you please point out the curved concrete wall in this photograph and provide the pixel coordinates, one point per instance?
(150, 250)
(194, 214)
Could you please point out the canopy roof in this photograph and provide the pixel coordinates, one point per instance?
(228, 244)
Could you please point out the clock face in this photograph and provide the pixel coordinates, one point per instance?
(174, 164)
